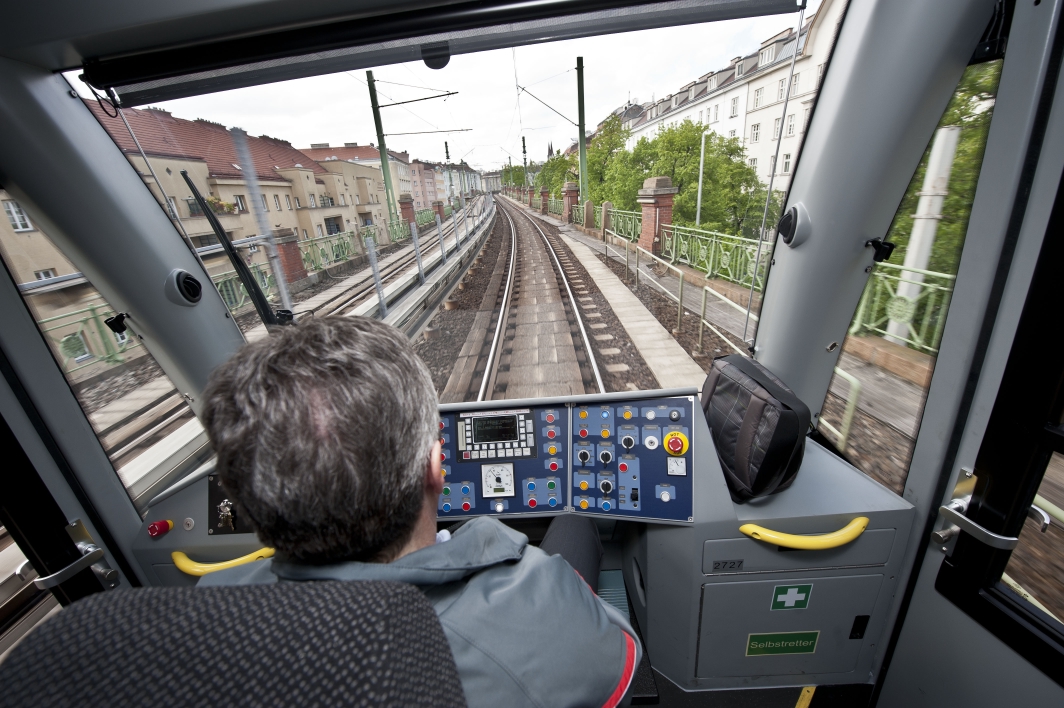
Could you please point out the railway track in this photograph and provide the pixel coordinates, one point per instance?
(533, 341)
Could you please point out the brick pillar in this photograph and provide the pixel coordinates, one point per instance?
(291, 258)
(544, 197)
(406, 208)
(589, 215)
(571, 195)
(656, 199)
(532, 197)
(606, 206)
(438, 206)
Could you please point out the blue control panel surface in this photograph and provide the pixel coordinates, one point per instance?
(600, 456)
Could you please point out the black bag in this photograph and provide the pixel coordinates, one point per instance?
(758, 426)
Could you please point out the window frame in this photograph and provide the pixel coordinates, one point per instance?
(755, 132)
(759, 95)
(14, 210)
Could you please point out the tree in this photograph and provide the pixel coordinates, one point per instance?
(556, 171)
(606, 145)
(971, 108)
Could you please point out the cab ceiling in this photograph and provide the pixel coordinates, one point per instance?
(158, 51)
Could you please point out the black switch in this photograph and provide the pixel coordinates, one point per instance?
(860, 624)
(635, 494)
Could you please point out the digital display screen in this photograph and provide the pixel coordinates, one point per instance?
(491, 429)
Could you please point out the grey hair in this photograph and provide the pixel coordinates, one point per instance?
(323, 433)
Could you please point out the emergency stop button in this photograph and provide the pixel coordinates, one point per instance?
(676, 443)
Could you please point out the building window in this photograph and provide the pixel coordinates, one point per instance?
(17, 217)
(298, 205)
(44, 274)
(343, 199)
(776, 128)
(171, 206)
(759, 96)
(288, 201)
(790, 125)
(716, 112)
(691, 94)
(313, 200)
(786, 163)
(265, 206)
(782, 86)
(73, 347)
(276, 202)
(241, 205)
(794, 85)
(700, 116)
(317, 228)
(253, 248)
(193, 207)
(753, 162)
(735, 107)
(358, 199)
(305, 236)
(731, 133)
(739, 68)
(766, 56)
(755, 132)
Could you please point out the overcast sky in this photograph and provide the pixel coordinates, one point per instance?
(335, 108)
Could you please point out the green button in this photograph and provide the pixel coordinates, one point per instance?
(446, 491)
(551, 485)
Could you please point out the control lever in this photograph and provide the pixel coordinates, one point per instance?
(606, 486)
(583, 456)
(606, 457)
(627, 442)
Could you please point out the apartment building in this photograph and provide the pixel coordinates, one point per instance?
(423, 176)
(745, 99)
(398, 162)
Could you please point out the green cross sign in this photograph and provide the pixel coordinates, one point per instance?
(791, 597)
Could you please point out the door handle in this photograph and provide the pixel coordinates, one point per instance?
(92, 555)
(190, 567)
(953, 512)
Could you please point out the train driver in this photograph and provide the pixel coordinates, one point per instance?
(327, 438)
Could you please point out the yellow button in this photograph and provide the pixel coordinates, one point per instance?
(583, 503)
(628, 415)
(583, 414)
(552, 450)
(583, 485)
(605, 433)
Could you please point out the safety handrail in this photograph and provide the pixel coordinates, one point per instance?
(845, 535)
(190, 567)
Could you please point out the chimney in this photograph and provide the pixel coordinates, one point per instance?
(318, 145)
(350, 145)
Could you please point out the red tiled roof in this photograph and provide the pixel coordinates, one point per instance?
(362, 152)
(161, 134)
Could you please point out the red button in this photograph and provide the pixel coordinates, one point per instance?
(583, 432)
(441, 425)
(550, 417)
(532, 503)
(443, 456)
(158, 528)
(622, 467)
(554, 467)
(675, 444)
(465, 506)
(551, 434)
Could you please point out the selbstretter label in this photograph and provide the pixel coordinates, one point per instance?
(781, 643)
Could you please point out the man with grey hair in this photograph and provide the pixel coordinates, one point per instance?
(326, 436)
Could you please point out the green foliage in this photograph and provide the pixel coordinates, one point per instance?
(607, 144)
(556, 171)
(971, 108)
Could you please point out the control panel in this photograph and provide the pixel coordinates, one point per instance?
(605, 456)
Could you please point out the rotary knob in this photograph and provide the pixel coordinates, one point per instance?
(606, 486)
(606, 457)
(674, 415)
(628, 442)
(583, 455)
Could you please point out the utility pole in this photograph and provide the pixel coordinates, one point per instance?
(450, 175)
(389, 192)
(584, 196)
(701, 165)
(511, 173)
(524, 156)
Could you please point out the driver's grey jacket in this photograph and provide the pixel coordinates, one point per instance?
(524, 628)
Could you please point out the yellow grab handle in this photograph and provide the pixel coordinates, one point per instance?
(191, 567)
(808, 543)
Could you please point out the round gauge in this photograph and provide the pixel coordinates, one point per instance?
(498, 480)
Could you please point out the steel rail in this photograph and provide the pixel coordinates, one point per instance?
(503, 311)
(572, 302)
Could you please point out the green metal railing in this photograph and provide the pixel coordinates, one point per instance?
(626, 224)
(324, 251)
(598, 216)
(447, 211)
(424, 216)
(716, 254)
(398, 230)
(232, 289)
(82, 339)
(555, 206)
(923, 316)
